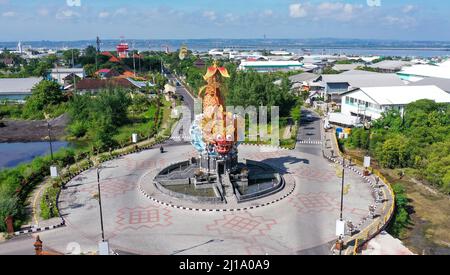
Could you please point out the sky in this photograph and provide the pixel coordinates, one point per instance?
(29, 20)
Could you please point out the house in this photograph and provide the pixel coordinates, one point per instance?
(70, 79)
(17, 89)
(389, 66)
(346, 67)
(96, 85)
(369, 103)
(337, 84)
(8, 61)
(303, 81)
(199, 63)
(106, 73)
(59, 74)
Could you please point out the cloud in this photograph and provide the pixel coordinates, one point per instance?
(267, 13)
(211, 15)
(121, 11)
(9, 14)
(103, 14)
(43, 12)
(335, 8)
(65, 14)
(408, 8)
(297, 10)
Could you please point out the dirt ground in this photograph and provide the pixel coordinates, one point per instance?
(32, 130)
(429, 232)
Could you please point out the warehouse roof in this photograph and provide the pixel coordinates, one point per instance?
(364, 79)
(403, 95)
(18, 85)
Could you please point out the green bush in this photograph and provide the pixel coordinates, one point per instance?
(401, 219)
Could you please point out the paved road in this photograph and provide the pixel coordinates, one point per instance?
(187, 97)
(303, 223)
(310, 127)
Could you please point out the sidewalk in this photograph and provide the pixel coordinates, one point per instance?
(369, 227)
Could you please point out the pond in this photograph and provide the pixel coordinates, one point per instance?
(15, 153)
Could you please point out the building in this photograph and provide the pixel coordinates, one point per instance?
(8, 61)
(270, 66)
(337, 84)
(389, 66)
(95, 85)
(106, 73)
(418, 72)
(17, 89)
(442, 83)
(59, 74)
(303, 81)
(200, 63)
(369, 103)
(346, 67)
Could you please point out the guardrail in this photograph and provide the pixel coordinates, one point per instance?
(377, 226)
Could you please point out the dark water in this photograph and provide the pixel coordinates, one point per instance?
(13, 154)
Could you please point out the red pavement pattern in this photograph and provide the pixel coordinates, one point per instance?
(110, 188)
(132, 164)
(142, 217)
(314, 174)
(314, 202)
(322, 202)
(242, 223)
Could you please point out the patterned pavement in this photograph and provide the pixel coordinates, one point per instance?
(135, 224)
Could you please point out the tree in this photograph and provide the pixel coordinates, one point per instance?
(45, 93)
(71, 54)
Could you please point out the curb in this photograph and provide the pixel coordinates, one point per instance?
(216, 209)
(39, 229)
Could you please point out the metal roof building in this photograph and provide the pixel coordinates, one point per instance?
(16, 89)
(371, 102)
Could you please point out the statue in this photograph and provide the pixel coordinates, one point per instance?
(214, 132)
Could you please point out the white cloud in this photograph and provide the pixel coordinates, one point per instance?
(229, 17)
(9, 14)
(408, 8)
(335, 7)
(43, 12)
(297, 10)
(337, 11)
(103, 14)
(267, 13)
(211, 15)
(66, 14)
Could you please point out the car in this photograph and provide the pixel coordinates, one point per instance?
(309, 117)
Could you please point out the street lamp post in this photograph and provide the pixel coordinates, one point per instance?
(100, 203)
(342, 203)
(342, 188)
(50, 139)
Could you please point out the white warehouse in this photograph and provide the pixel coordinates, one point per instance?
(370, 103)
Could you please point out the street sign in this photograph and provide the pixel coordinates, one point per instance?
(53, 171)
(340, 228)
(134, 138)
(366, 162)
(103, 248)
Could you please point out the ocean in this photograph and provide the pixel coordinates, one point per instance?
(298, 46)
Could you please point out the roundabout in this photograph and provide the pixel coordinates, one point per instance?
(300, 223)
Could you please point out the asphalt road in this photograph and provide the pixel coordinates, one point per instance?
(187, 97)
